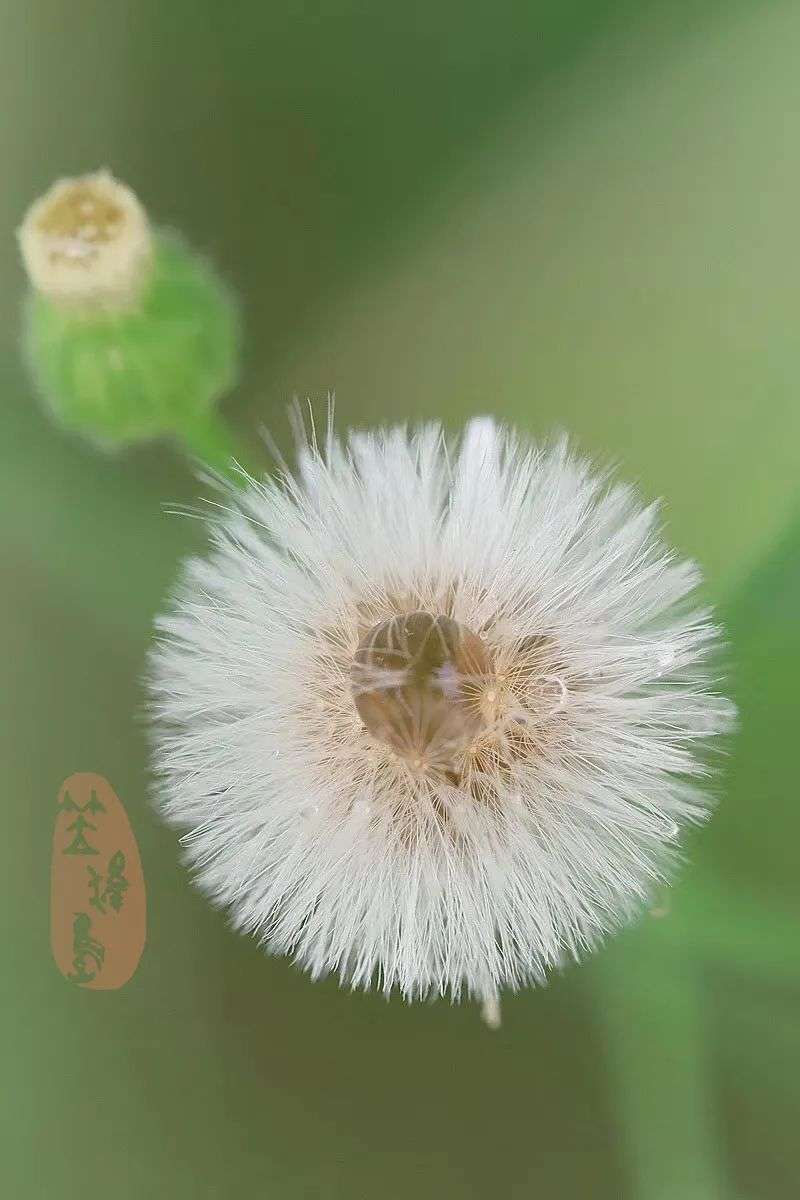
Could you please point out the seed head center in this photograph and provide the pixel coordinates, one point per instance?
(419, 684)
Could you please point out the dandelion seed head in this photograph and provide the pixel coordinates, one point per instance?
(490, 692)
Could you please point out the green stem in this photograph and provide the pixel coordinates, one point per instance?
(652, 1010)
(717, 923)
(210, 442)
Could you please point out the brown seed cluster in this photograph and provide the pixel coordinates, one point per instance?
(419, 684)
(452, 707)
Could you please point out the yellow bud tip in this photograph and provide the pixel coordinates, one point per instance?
(86, 242)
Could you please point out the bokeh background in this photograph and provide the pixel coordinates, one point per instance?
(572, 214)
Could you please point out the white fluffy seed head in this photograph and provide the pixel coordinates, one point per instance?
(86, 243)
(432, 717)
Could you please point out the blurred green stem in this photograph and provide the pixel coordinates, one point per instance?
(211, 442)
(720, 924)
(651, 1007)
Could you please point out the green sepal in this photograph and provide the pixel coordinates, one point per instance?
(156, 369)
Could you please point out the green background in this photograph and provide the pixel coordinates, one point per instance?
(574, 215)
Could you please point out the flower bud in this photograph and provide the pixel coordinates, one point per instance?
(128, 334)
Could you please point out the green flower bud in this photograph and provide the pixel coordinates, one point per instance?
(128, 333)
